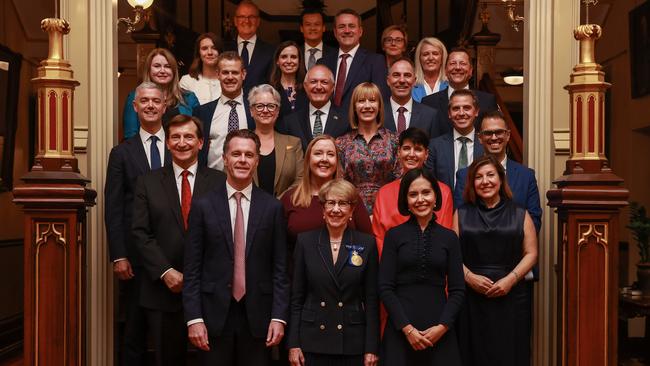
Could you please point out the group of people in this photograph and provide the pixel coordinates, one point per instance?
(320, 206)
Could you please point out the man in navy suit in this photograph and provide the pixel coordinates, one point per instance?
(456, 149)
(320, 117)
(160, 212)
(126, 162)
(353, 65)
(312, 27)
(229, 111)
(402, 112)
(236, 291)
(256, 54)
(459, 72)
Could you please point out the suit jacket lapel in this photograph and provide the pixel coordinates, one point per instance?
(221, 206)
(333, 121)
(512, 174)
(168, 181)
(478, 148)
(326, 255)
(137, 149)
(389, 121)
(305, 124)
(450, 158)
(280, 151)
(415, 118)
(343, 253)
(255, 213)
(358, 61)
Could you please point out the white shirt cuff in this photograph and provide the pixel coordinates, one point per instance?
(195, 321)
(529, 276)
(164, 273)
(120, 259)
(279, 321)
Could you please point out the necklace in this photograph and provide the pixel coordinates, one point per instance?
(335, 244)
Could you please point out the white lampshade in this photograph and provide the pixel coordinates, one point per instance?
(143, 3)
(513, 79)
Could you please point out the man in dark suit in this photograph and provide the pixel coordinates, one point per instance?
(312, 27)
(160, 213)
(320, 117)
(236, 291)
(128, 160)
(459, 72)
(256, 54)
(353, 65)
(229, 111)
(456, 149)
(402, 112)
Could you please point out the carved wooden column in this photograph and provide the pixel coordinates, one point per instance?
(588, 199)
(55, 199)
(485, 42)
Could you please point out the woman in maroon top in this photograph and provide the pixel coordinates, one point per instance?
(302, 207)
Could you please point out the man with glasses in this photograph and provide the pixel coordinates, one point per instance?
(227, 113)
(256, 54)
(459, 72)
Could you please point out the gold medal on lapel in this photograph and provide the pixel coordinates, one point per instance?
(356, 259)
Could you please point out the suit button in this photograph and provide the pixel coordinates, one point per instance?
(322, 304)
(340, 304)
(230, 285)
(322, 327)
(339, 327)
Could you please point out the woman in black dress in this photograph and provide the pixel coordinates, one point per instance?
(499, 245)
(418, 256)
(334, 306)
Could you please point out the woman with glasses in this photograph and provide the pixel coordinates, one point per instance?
(287, 75)
(394, 40)
(202, 78)
(160, 67)
(334, 306)
(430, 59)
(280, 164)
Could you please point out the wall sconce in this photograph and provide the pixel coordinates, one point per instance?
(514, 76)
(515, 20)
(139, 8)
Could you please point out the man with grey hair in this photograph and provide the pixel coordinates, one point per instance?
(320, 116)
(126, 162)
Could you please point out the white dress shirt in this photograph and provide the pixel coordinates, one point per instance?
(458, 145)
(435, 89)
(317, 55)
(160, 144)
(451, 90)
(206, 90)
(394, 106)
(250, 46)
(348, 62)
(219, 129)
(323, 117)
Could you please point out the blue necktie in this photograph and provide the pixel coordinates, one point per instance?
(244, 53)
(155, 154)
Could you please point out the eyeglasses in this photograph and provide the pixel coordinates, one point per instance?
(343, 205)
(270, 106)
(489, 133)
(246, 17)
(389, 40)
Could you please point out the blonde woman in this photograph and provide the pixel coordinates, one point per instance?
(430, 58)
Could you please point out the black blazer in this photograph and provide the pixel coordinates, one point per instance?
(285, 105)
(208, 276)
(205, 112)
(126, 162)
(159, 231)
(366, 66)
(440, 101)
(297, 124)
(422, 117)
(259, 67)
(441, 157)
(334, 308)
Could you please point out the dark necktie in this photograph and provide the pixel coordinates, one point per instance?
(462, 157)
(233, 117)
(401, 119)
(244, 53)
(186, 197)
(340, 80)
(318, 124)
(239, 269)
(155, 154)
(312, 58)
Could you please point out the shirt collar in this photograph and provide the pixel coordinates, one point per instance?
(325, 109)
(394, 105)
(250, 40)
(319, 46)
(239, 99)
(504, 162)
(450, 90)
(246, 191)
(470, 135)
(192, 169)
(144, 135)
(352, 52)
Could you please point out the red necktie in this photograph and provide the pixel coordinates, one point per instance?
(340, 80)
(186, 197)
(239, 270)
(401, 119)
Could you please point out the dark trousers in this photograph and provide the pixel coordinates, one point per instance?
(135, 336)
(169, 335)
(236, 346)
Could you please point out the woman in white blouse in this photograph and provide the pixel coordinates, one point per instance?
(202, 78)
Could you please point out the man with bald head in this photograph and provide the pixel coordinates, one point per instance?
(320, 116)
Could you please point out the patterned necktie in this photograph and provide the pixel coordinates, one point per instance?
(318, 124)
(239, 270)
(462, 157)
(244, 52)
(186, 197)
(401, 119)
(155, 154)
(312, 58)
(233, 117)
(340, 80)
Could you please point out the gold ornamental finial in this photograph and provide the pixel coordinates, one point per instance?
(587, 34)
(55, 28)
